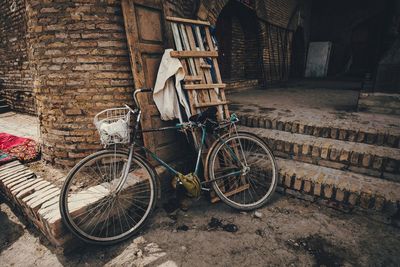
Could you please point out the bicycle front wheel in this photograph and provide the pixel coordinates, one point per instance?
(97, 207)
(243, 171)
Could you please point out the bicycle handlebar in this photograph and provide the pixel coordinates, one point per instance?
(137, 91)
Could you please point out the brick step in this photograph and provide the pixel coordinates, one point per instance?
(241, 84)
(385, 133)
(4, 109)
(343, 188)
(382, 162)
(38, 200)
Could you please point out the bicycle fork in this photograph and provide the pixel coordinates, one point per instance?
(127, 166)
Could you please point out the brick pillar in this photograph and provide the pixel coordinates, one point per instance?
(81, 66)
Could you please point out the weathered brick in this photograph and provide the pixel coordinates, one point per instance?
(325, 151)
(365, 200)
(377, 163)
(340, 195)
(298, 183)
(328, 191)
(353, 199)
(317, 189)
(307, 186)
(344, 156)
(305, 149)
(366, 160)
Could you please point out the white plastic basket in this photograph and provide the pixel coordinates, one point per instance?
(113, 126)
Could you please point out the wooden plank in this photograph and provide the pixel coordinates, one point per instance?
(188, 54)
(188, 21)
(212, 92)
(216, 69)
(212, 104)
(231, 193)
(204, 86)
(193, 96)
(203, 95)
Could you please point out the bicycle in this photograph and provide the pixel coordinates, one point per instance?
(109, 195)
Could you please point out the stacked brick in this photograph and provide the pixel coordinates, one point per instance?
(81, 66)
(16, 84)
(36, 198)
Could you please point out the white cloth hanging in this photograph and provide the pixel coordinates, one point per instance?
(166, 92)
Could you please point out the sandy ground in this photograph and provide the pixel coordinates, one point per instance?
(20, 124)
(290, 232)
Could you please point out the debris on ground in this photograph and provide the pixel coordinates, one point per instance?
(324, 253)
(230, 227)
(216, 223)
(182, 228)
(257, 214)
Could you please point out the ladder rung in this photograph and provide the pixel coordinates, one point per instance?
(186, 54)
(188, 21)
(205, 66)
(231, 193)
(211, 104)
(193, 78)
(203, 86)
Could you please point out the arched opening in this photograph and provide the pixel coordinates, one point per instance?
(365, 44)
(237, 32)
(298, 54)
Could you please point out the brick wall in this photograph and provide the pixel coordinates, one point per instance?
(80, 62)
(238, 52)
(268, 36)
(81, 67)
(16, 84)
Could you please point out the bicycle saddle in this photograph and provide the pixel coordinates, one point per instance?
(209, 113)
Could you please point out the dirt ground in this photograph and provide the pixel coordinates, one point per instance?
(287, 232)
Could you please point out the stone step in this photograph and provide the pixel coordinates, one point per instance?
(342, 188)
(360, 128)
(382, 162)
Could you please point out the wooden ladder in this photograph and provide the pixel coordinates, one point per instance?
(198, 54)
(195, 49)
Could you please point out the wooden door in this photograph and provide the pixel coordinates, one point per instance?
(144, 26)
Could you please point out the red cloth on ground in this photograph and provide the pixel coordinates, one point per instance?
(24, 149)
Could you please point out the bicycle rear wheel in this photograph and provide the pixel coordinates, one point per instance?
(243, 171)
(92, 207)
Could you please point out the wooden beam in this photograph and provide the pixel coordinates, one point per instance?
(188, 21)
(204, 86)
(188, 54)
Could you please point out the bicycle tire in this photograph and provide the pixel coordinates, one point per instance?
(244, 181)
(141, 176)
